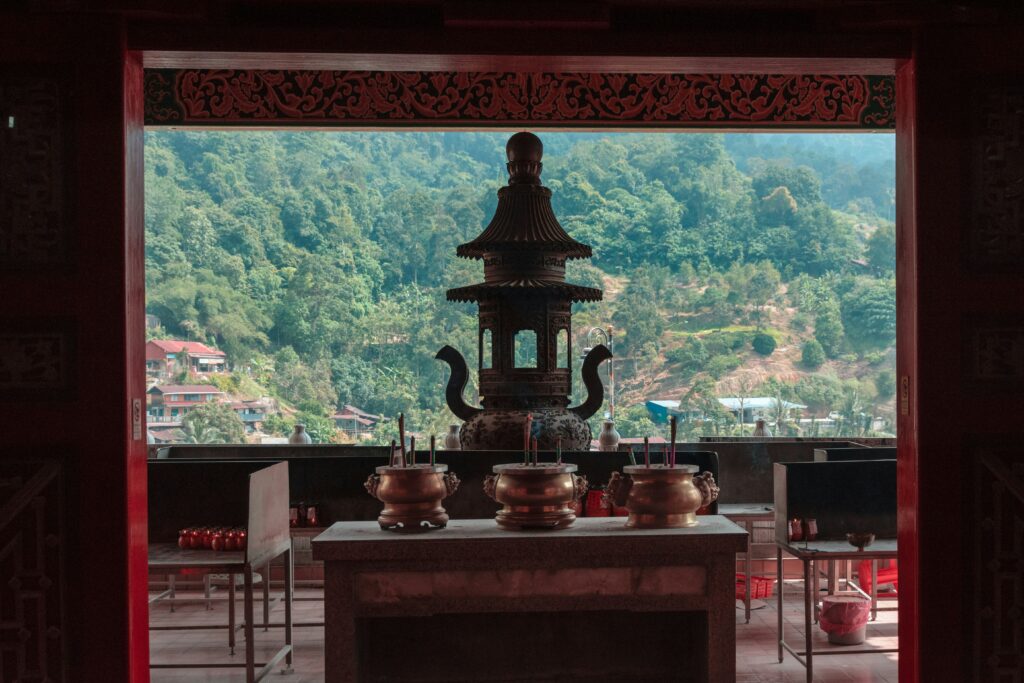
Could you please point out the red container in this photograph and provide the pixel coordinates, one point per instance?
(595, 507)
(761, 587)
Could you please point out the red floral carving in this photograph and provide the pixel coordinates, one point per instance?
(366, 97)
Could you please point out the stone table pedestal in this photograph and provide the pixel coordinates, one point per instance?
(593, 602)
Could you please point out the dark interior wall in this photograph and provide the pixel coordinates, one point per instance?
(960, 283)
(71, 331)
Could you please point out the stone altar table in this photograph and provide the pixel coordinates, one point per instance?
(594, 602)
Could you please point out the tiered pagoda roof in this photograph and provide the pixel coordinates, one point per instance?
(524, 247)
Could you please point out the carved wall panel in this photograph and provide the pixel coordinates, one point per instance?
(32, 634)
(36, 359)
(996, 241)
(291, 97)
(998, 585)
(994, 353)
(34, 221)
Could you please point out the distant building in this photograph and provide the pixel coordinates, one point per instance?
(252, 412)
(753, 408)
(170, 403)
(355, 422)
(165, 357)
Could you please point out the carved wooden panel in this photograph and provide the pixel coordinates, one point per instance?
(997, 226)
(36, 359)
(998, 562)
(282, 97)
(34, 221)
(994, 353)
(32, 633)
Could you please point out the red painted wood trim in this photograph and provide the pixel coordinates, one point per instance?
(135, 362)
(292, 97)
(906, 367)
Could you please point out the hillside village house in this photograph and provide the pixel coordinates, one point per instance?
(172, 402)
(355, 422)
(753, 408)
(165, 357)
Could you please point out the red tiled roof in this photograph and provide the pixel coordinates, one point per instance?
(184, 389)
(157, 349)
(354, 418)
(360, 413)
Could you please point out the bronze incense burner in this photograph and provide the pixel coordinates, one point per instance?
(525, 334)
(661, 496)
(538, 496)
(412, 496)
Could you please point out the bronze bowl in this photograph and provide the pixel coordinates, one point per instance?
(660, 496)
(537, 496)
(412, 496)
(860, 540)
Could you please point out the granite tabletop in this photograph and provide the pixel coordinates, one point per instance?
(830, 549)
(589, 536)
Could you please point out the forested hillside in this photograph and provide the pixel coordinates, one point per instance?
(318, 262)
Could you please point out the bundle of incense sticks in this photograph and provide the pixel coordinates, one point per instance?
(412, 450)
(433, 452)
(527, 428)
(632, 457)
(672, 431)
(401, 434)
(394, 446)
(558, 450)
(533, 448)
(647, 452)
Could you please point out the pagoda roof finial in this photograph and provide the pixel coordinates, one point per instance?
(524, 220)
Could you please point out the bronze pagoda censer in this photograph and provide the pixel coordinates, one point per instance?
(524, 294)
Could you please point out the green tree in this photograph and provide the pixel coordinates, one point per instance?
(869, 313)
(818, 392)
(214, 423)
(885, 384)
(764, 344)
(812, 355)
(829, 331)
(881, 248)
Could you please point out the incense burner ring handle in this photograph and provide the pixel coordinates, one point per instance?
(451, 483)
(491, 485)
(705, 483)
(579, 487)
(372, 484)
(617, 490)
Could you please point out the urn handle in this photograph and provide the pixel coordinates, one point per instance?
(617, 490)
(490, 485)
(705, 483)
(451, 483)
(372, 484)
(579, 487)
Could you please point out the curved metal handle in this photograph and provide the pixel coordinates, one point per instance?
(456, 383)
(451, 483)
(491, 485)
(705, 483)
(372, 484)
(592, 381)
(617, 490)
(579, 487)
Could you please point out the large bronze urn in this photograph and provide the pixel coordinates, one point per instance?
(525, 335)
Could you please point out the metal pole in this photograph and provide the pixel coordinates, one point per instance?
(611, 371)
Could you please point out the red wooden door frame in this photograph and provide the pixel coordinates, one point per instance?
(906, 238)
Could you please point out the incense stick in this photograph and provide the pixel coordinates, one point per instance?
(672, 429)
(412, 450)
(647, 452)
(433, 453)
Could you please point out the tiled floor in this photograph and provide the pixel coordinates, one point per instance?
(756, 650)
